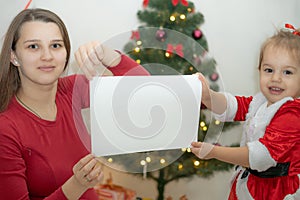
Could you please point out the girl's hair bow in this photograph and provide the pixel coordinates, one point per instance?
(293, 29)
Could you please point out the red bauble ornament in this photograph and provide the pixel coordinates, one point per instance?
(214, 76)
(197, 34)
(145, 3)
(161, 35)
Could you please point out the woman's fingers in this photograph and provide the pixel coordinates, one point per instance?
(89, 56)
(95, 174)
(88, 171)
(93, 50)
(82, 162)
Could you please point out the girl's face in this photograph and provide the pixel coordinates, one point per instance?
(40, 53)
(279, 75)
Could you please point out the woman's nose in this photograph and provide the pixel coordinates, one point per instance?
(46, 54)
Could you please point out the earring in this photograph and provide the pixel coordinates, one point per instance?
(16, 62)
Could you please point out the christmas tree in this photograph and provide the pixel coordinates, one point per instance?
(170, 42)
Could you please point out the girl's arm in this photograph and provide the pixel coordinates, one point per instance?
(214, 101)
(233, 155)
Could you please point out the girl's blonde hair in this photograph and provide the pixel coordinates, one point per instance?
(283, 39)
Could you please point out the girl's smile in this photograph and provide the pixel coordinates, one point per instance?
(279, 75)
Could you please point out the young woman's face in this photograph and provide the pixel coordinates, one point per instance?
(40, 53)
(279, 75)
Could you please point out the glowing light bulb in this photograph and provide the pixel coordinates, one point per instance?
(172, 18)
(110, 160)
(182, 16)
(180, 166)
(143, 162)
(137, 49)
(148, 159)
(202, 124)
(162, 161)
(196, 163)
(139, 42)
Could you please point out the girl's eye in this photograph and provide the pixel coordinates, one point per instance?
(287, 72)
(268, 70)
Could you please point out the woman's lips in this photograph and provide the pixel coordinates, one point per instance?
(47, 68)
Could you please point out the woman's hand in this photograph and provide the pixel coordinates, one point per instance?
(87, 174)
(88, 171)
(92, 55)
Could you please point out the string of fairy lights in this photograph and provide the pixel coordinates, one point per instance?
(137, 47)
(147, 160)
(161, 35)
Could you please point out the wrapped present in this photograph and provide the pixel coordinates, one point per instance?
(105, 194)
(181, 198)
(110, 191)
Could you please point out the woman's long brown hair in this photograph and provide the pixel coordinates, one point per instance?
(9, 75)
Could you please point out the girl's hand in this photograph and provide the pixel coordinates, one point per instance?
(91, 56)
(214, 101)
(206, 96)
(202, 150)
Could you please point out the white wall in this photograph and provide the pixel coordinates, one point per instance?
(234, 29)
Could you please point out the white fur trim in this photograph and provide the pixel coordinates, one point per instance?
(231, 109)
(259, 156)
(242, 191)
(259, 117)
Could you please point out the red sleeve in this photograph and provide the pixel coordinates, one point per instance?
(77, 88)
(282, 135)
(128, 67)
(13, 168)
(242, 107)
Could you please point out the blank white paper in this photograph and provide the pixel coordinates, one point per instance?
(143, 113)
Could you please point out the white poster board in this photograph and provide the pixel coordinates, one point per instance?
(143, 113)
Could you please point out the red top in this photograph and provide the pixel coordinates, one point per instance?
(36, 155)
(282, 140)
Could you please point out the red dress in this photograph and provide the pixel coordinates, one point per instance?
(272, 135)
(36, 155)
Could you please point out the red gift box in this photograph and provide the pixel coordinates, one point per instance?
(110, 191)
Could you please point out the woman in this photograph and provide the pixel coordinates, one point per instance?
(42, 134)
